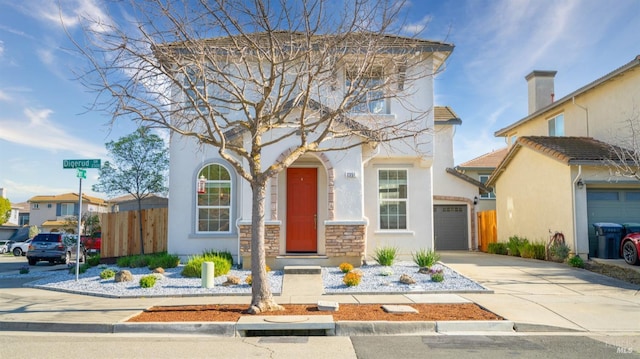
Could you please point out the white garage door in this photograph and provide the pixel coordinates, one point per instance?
(611, 205)
(450, 227)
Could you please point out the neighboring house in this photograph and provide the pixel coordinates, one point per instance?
(555, 176)
(362, 198)
(23, 213)
(49, 213)
(455, 196)
(480, 169)
(129, 203)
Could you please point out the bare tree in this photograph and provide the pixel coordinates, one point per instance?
(246, 75)
(624, 157)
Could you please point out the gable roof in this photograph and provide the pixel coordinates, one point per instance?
(65, 198)
(473, 181)
(622, 69)
(567, 150)
(444, 115)
(487, 161)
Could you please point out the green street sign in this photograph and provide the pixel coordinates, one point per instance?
(82, 173)
(93, 163)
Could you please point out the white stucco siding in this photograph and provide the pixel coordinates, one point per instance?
(534, 198)
(419, 233)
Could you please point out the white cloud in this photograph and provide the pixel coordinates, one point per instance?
(70, 13)
(1, 48)
(36, 130)
(418, 27)
(46, 56)
(4, 96)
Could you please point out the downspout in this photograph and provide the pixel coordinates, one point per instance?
(573, 209)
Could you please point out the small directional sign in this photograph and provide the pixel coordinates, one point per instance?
(92, 163)
(82, 173)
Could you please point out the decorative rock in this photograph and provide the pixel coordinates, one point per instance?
(159, 276)
(123, 276)
(357, 271)
(327, 306)
(159, 270)
(231, 280)
(424, 270)
(407, 279)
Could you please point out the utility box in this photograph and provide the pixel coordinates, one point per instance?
(609, 236)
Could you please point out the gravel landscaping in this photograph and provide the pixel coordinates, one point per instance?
(173, 284)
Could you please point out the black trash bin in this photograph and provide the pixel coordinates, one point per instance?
(630, 228)
(609, 236)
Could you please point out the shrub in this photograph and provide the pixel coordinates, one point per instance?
(576, 262)
(497, 248)
(515, 244)
(386, 272)
(24, 270)
(559, 252)
(425, 258)
(437, 275)
(352, 279)
(249, 279)
(94, 260)
(346, 267)
(385, 256)
(163, 260)
(107, 274)
(148, 281)
(223, 254)
(527, 251)
(539, 251)
(135, 261)
(81, 269)
(193, 268)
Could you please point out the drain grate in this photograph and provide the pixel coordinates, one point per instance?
(284, 340)
(286, 333)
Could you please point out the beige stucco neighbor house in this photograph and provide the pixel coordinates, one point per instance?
(50, 212)
(556, 175)
(346, 194)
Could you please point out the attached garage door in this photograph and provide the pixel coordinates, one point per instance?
(450, 227)
(611, 205)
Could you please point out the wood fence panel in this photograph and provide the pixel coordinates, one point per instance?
(487, 229)
(121, 230)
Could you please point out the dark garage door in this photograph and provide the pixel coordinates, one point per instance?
(611, 205)
(450, 227)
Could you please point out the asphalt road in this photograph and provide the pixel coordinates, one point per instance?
(12, 264)
(69, 346)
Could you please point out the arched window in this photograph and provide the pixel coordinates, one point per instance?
(214, 202)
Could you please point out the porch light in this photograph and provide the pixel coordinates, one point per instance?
(580, 184)
(202, 181)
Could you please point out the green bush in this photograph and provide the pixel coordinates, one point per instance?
(163, 260)
(94, 260)
(559, 252)
(193, 268)
(497, 248)
(107, 274)
(352, 279)
(148, 281)
(437, 275)
(576, 261)
(134, 261)
(539, 251)
(515, 244)
(425, 258)
(385, 256)
(223, 254)
(81, 269)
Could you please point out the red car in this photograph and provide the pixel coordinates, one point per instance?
(92, 244)
(630, 247)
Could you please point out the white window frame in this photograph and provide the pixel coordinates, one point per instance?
(483, 179)
(64, 209)
(555, 126)
(405, 200)
(229, 207)
(376, 78)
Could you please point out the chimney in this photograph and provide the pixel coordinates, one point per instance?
(3, 193)
(541, 92)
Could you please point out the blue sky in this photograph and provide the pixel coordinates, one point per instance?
(43, 108)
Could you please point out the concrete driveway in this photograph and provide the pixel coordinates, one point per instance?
(540, 293)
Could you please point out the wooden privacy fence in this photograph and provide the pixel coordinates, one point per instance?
(121, 232)
(487, 229)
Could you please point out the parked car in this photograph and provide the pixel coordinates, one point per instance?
(54, 248)
(92, 244)
(630, 248)
(4, 247)
(20, 248)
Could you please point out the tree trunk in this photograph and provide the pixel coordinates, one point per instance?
(140, 225)
(261, 296)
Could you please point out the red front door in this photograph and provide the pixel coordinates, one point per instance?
(302, 209)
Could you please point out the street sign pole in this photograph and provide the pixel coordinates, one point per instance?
(79, 227)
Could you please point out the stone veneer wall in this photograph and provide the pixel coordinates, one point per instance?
(345, 240)
(271, 240)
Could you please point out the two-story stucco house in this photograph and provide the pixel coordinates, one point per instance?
(49, 213)
(330, 207)
(557, 175)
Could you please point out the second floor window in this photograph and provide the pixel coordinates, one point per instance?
(369, 92)
(556, 126)
(483, 179)
(66, 209)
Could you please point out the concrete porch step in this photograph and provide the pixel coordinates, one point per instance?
(302, 270)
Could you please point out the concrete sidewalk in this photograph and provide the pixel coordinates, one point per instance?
(533, 295)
